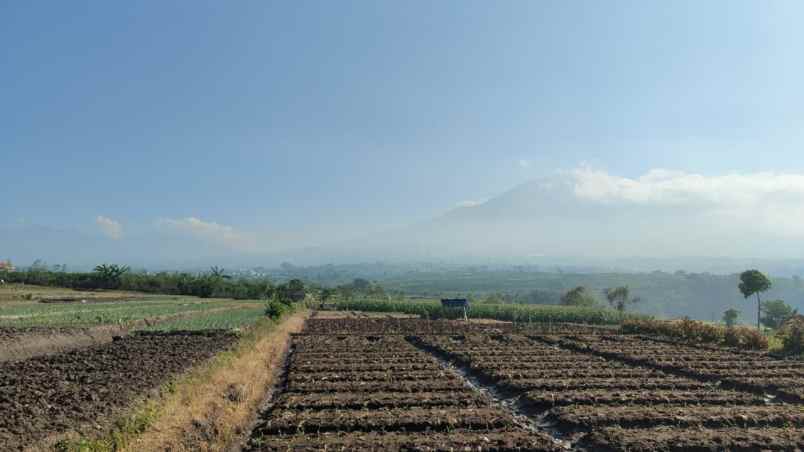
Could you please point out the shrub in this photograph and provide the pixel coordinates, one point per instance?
(792, 334)
(275, 309)
(699, 332)
(745, 338)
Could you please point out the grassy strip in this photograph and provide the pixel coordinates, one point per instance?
(208, 408)
(506, 312)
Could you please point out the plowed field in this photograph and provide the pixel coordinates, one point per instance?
(409, 384)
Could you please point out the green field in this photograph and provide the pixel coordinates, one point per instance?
(24, 307)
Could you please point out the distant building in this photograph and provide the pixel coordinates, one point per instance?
(5, 266)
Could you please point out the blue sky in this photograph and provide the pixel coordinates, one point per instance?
(287, 116)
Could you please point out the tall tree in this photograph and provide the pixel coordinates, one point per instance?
(111, 274)
(754, 282)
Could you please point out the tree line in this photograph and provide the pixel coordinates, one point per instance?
(771, 313)
(214, 283)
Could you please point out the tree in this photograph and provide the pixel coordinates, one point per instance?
(776, 312)
(110, 275)
(730, 317)
(218, 272)
(326, 294)
(578, 296)
(753, 282)
(620, 297)
(360, 284)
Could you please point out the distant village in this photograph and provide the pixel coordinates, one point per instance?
(6, 266)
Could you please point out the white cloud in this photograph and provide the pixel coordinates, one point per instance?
(210, 232)
(110, 228)
(524, 163)
(470, 203)
(755, 203)
(664, 187)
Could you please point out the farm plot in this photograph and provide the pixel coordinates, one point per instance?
(517, 365)
(605, 403)
(80, 389)
(391, 325)
(371, 392)
(755, 372)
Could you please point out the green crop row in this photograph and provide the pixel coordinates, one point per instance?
(80, 315)
(505, 312)
(238, 318)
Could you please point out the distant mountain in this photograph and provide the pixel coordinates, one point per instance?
(552, 219)
(554, 222)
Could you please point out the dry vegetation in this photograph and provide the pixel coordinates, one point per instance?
(212, 407)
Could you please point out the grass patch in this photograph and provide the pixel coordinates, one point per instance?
(108, 313)
(236, 318)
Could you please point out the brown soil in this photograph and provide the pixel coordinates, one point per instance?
(75, 390)
(679, 416)
(83, 300)
(22, 343)
(398, 325)
(602, 397)
(671, 439)
(496, 441)
(319, 409)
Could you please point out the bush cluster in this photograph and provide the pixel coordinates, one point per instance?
(699, 332)
(275, 309)
(792, 335)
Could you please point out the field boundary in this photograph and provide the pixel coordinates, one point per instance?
(212, 408)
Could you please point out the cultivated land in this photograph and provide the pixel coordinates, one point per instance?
(409, 384)
(40, 320)
(74, 364)
(180, 373)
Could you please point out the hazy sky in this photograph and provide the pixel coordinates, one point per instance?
(218, 117)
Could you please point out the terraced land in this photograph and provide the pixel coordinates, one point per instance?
(408, 384)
